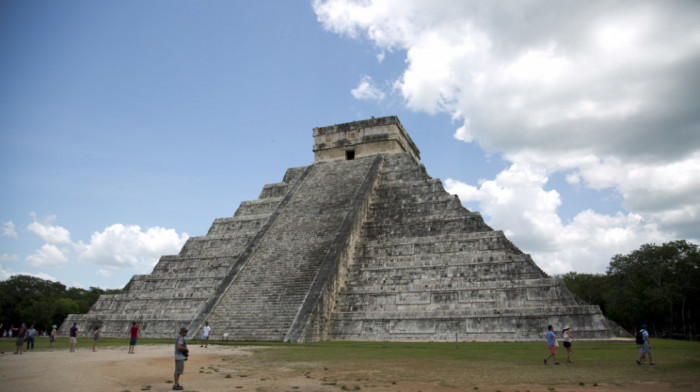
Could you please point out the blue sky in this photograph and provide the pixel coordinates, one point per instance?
(128, 126)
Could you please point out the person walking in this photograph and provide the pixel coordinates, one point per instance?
(134, 333)
(181, 354)
(205, 335)
(31, 335)
(567, 337)
(52, 336)
(73, 337)
(552, 343)
(95, 338)
(645, 347)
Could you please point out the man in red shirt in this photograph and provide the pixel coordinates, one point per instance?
(134, 334)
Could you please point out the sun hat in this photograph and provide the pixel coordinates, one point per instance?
(567, 327)
(183, 329)
(644, 326)
(53, 326)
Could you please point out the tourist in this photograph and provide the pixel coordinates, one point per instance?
(205, 335)
(95, 337)
(31, 335)
(181, 354)
(21, 337)
(52, 336)
(644, 348)
(134, 332)
(73, 337)
(552, 343)
(568, 337)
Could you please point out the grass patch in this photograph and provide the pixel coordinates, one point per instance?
(482, 363)
(386, 363)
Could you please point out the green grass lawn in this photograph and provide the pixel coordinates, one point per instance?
(465, 364)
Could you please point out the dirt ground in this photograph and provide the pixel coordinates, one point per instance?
(226, 368)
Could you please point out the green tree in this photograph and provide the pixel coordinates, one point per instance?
(42, 302)
(656, 285)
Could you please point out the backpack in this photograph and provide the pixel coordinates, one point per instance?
(639, 338)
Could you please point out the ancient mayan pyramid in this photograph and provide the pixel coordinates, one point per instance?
(361, 245)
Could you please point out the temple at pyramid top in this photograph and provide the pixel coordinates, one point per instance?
(384, 135)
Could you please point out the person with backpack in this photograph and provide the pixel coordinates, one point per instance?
(642, 339)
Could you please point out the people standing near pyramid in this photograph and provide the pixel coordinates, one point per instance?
(134, 333)
(551, 342)
(95, 338)
(31, 335)
(73, 337)
(568, 337)
(205, 335)
(181, 355)
(21, 335)
(52, 336)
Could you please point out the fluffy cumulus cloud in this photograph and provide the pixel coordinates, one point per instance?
(116, 247)
(48, 255)
(8, 230)
(367, 91)
(602, 91)
(128, 246)
(49, 233)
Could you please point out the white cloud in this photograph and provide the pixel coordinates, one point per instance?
(516, 200)
(48, 255)
(8, 230)
(6, 257)
(367, 91)
(129, 246)
(104, 273)
(5, 274)
(49, 233)
(603, 92)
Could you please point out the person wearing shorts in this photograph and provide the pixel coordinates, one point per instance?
(567, 336)
(73, 337)
(181, 354)
(644, 349)
(551, 342)
(134, 333)
(205, 335)
(21, 336)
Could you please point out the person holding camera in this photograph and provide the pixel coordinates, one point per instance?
(181, 354)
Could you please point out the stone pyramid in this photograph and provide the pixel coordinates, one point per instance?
(361, 245)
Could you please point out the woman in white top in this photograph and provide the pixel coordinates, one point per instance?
(568, 337)
(205, 335)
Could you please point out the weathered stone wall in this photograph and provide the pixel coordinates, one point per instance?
(181, 286)
(266, 296)
(370, 248)
(429, 269)
(383, 135)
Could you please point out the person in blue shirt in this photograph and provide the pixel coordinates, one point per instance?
(551, 342)
(31, 334)
(645, 348)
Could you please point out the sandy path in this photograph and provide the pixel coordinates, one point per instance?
(217, 368)
(113, 369)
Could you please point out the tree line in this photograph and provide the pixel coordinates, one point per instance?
(654, 285)
(41, 302)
